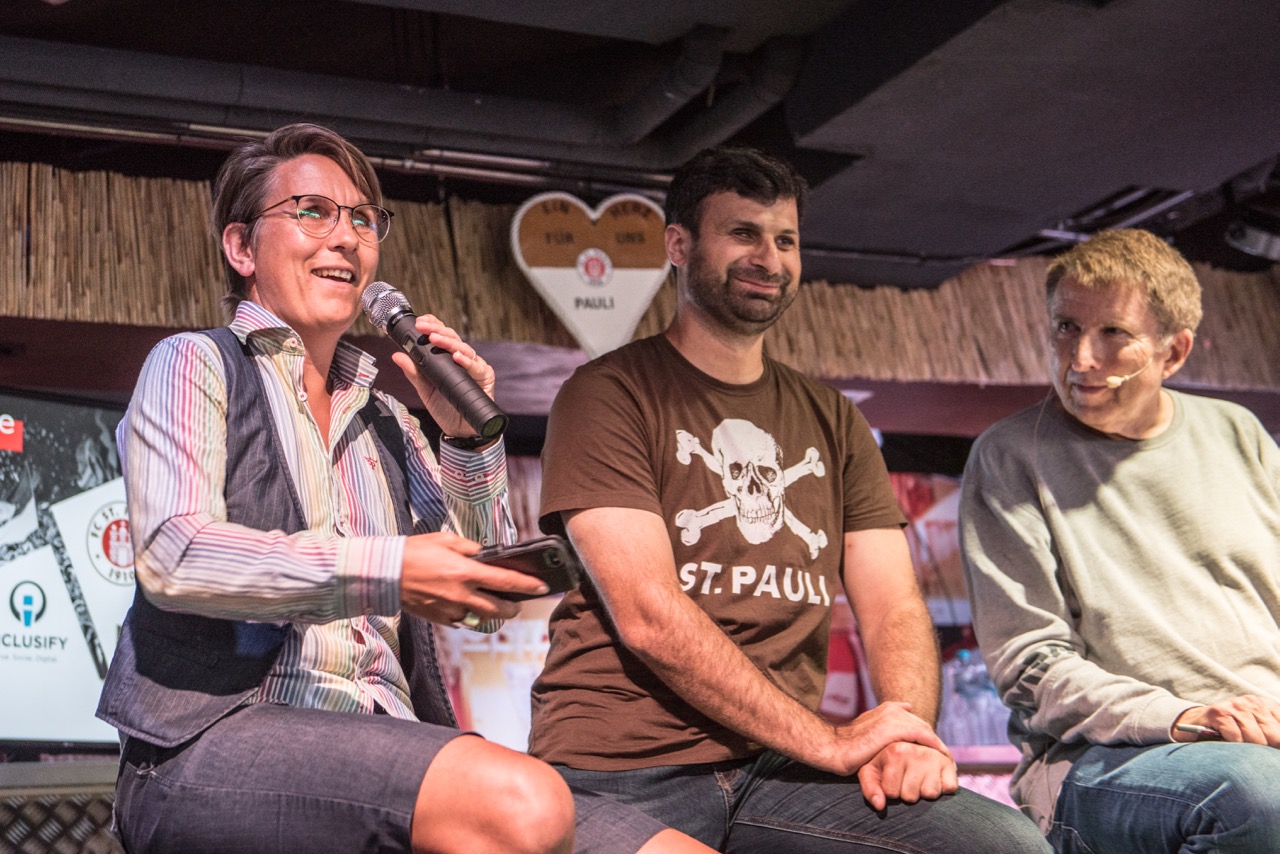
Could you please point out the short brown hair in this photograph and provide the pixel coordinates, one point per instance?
(239, 191)
(1131, 257)
(750, 173)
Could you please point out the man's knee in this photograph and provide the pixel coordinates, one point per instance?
(1247, 800)
(976, 823)
(478, 796)
(1012, 832)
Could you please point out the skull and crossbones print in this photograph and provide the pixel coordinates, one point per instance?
(748, 461)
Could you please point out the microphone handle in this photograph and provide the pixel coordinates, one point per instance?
(450, 379)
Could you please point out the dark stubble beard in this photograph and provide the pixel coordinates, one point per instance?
(745, 314)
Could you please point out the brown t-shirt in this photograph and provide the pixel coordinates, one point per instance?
(757, 484)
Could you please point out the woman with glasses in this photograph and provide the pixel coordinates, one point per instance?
(275, 682)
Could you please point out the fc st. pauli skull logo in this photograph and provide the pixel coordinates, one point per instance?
(749, 463)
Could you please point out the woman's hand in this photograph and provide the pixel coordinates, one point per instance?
(440, 582)
(444, 337)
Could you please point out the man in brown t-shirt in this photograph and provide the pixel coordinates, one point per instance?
(719, 500)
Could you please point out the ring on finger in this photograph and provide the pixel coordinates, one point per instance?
(471, 620)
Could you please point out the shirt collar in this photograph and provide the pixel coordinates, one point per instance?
(266, 333)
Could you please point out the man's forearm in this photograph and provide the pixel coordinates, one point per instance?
(708, 671)
(902, 654)
(691, 655)
(897, 633)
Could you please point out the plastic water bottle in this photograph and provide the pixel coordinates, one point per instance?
(971, 709)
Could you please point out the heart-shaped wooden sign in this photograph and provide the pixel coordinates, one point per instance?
(597, 269)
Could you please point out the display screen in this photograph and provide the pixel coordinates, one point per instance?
(66, 566)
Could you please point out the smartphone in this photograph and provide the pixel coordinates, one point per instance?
(550, 559)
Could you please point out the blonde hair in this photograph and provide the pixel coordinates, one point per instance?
(1133, 258)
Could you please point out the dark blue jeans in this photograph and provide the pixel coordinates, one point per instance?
(1187, 798)
(772, 805)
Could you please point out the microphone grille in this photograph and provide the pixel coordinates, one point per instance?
(381, 301)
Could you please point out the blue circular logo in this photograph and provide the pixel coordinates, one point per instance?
(27, 602)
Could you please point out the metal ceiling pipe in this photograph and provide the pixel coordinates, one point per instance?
(107, 86)
(692, 73)
(105, 80)
(471, 166)
(772, 76)
(773, 73)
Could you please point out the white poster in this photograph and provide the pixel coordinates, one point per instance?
(66, 567)
(49, 663)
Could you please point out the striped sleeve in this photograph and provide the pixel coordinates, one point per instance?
(461, 491)
(475, 483)
(188, 556)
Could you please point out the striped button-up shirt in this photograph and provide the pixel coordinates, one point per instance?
(338, 582)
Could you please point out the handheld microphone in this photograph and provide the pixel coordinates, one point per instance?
(1114, 382)
(388, 310)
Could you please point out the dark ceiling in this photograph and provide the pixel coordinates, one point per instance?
(935, 134)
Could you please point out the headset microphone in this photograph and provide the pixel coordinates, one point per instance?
(1115, 382)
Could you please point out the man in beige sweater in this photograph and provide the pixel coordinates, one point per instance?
(1122, 548)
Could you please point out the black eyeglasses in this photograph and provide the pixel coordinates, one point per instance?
(318, 217)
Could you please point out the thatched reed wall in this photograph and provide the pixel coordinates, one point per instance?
(104, 247)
